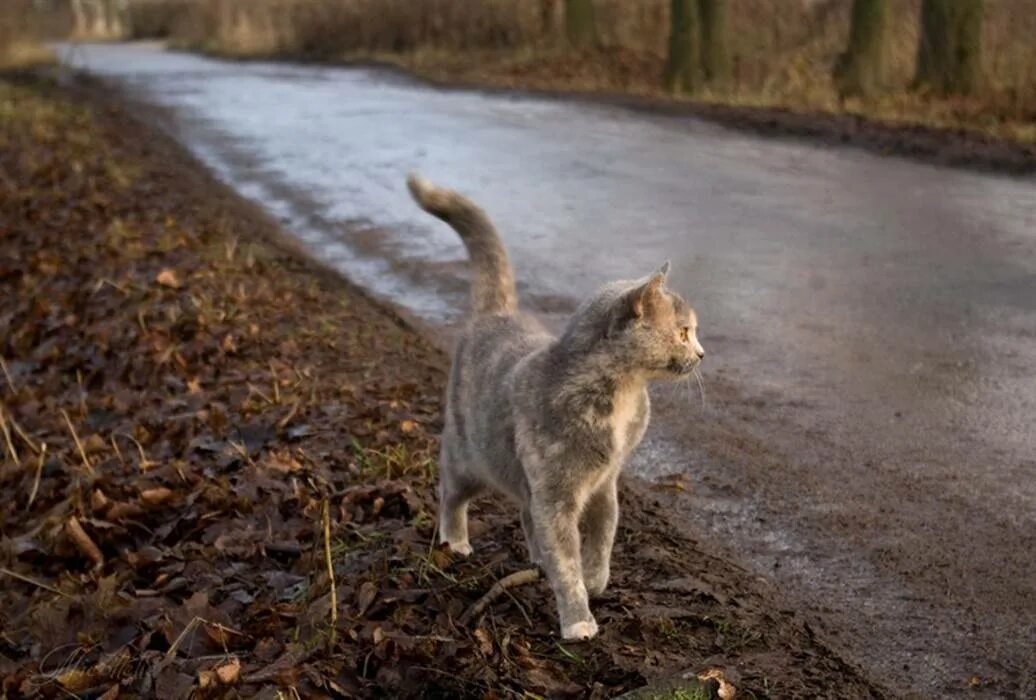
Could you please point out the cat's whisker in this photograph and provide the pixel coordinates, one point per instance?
(701, 386)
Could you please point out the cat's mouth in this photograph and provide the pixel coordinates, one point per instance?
(681, 367)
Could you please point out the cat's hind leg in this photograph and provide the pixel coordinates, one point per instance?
(529, 528)
(455, 492)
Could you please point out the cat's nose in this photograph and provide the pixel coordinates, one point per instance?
(701, 354)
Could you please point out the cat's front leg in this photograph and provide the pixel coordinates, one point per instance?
(556, 525)
(600, 519)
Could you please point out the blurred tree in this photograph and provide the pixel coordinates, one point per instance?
(863, 68)
(100, 19)
(950, 51)
(683, 69)
(698, 52)
(580, 24)
(715, 53)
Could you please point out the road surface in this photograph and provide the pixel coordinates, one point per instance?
(867, 441)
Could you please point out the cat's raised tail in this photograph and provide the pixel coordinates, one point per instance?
(492, 287)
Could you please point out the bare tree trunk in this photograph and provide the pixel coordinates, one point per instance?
(580, 24)
(715, 54)
(683, 68)
(79, 13)
(863, 68)
(949, 58)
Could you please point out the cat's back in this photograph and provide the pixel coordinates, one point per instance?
(495, 343)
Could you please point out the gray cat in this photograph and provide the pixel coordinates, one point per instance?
(550, 421)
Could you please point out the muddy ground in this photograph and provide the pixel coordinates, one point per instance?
(184, 399)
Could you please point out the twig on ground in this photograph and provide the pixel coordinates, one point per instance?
(28, 579)
(7, 439)
(521, 608)
(145, 463)
(39, 473)
(518, 578)
(22, 434)
(330, 568)
(82, 394)
(79, 445)
(275, 382)
(294, 409)
(118, 452)
(7, 375)
(188, 628)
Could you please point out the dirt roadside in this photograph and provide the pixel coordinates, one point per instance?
(202, 391)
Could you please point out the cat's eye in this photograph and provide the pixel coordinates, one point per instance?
(685, 334)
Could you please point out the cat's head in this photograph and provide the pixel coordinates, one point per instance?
(643, 327)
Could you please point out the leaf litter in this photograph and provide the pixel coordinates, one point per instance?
(219, 461)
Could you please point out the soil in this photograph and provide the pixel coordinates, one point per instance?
(197, 420)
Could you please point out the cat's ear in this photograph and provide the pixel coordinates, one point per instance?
(644, 296)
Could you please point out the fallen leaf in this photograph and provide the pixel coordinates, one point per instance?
(98, 500)
(727, 691)
(156, 496)
(168, 278)
(74, 680)
(121, 511)
(93, 444)
(229, 672)
(83, 542)
(368, 592)
(206, 679)
(485, 642)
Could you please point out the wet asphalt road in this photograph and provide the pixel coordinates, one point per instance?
(867, 439)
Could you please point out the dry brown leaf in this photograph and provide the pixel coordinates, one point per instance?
(229, 672)
(727, 691)
(156, 496)
(408, 426)
(121, 511)
(168, 278)
(98, 501)
(93, 444)
(83, 542)
(368, 592)
(282, 461)
(485, 642)
(74, 680)
(206, 679)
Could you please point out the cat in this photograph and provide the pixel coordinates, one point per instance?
(549, 421)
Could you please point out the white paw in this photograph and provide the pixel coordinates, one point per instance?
(462, 548)
(586, 629)
(595, 586)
